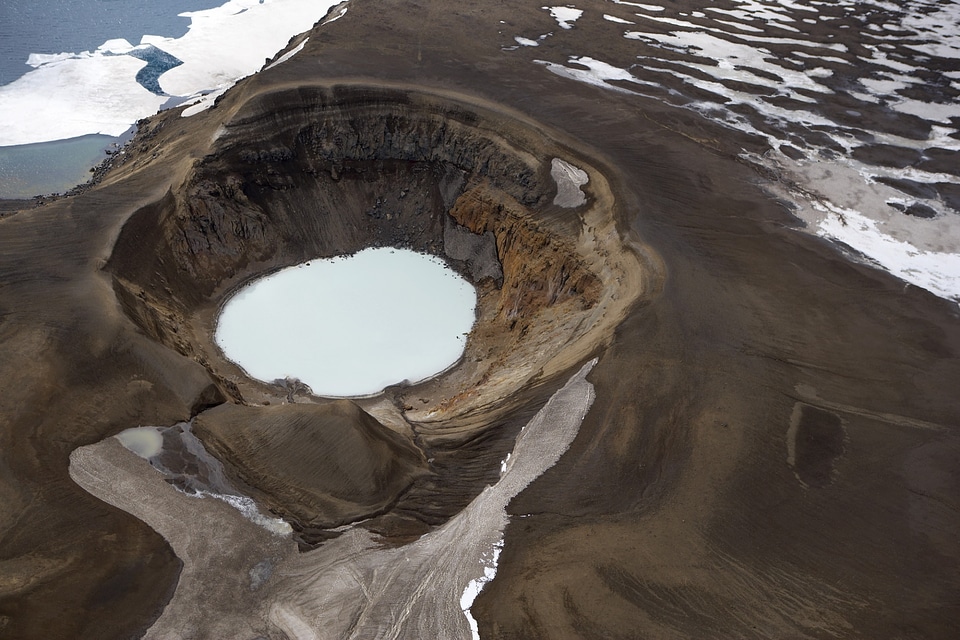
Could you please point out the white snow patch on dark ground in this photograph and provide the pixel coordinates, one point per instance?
(569, 179)
(822, 106)
(565, 15)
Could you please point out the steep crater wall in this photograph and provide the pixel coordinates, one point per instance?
(313, 172)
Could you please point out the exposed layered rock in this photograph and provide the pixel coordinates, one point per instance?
(540, 269)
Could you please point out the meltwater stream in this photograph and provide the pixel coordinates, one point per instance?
(351, 325)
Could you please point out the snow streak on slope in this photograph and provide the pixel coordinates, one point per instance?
(857, 102)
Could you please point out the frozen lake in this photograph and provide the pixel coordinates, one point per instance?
(855, 100)
(351, 325)
(70, 88)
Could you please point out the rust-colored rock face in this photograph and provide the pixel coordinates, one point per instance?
(540, 269)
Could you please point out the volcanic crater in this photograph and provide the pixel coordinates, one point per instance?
(313, 172)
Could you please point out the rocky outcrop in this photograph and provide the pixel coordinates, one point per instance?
(540, 268)
(315, 173)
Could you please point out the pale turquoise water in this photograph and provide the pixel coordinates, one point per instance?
(350, 326)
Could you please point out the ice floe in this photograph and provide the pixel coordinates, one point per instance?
(107, 90)
(232, 41)
(90, 93)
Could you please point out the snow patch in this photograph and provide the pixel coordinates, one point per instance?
(647, 7)
(251, 512)
(569, 179)
(565, 16)
(936, 272)
(782, 89)
(202, 103)
(475, 586)
(291, 53)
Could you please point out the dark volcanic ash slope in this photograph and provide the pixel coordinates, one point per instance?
(773, 447)
(320, 465)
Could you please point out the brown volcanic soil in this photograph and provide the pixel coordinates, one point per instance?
(773, 449)
(322, 466)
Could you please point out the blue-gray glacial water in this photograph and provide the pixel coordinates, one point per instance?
(62, 28)
(82, 68)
